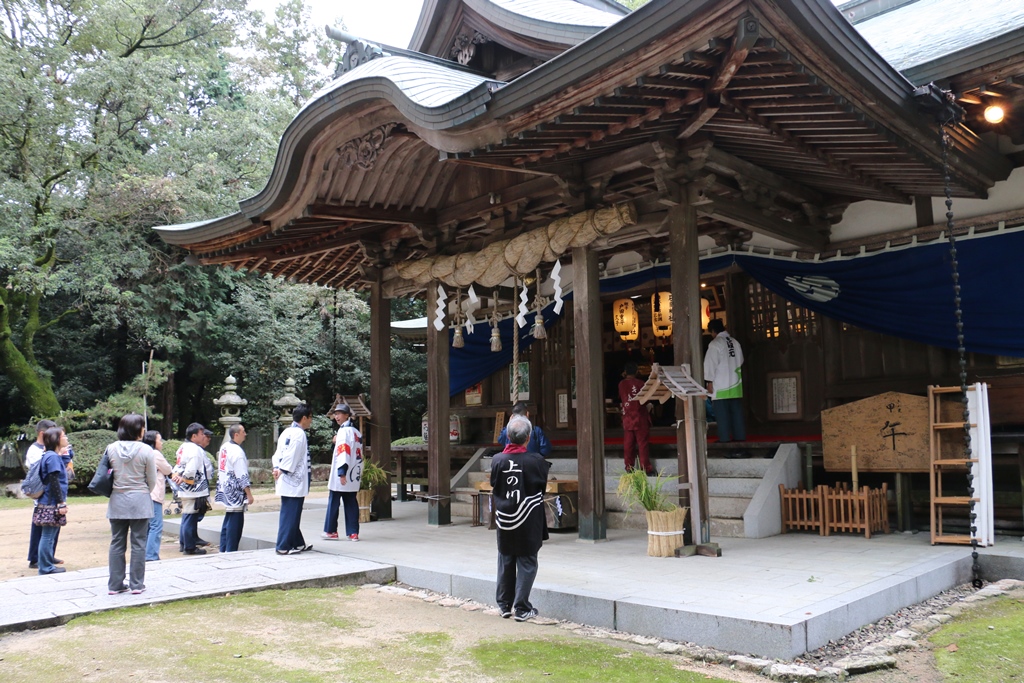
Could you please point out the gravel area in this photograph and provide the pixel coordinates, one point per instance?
(885, 627)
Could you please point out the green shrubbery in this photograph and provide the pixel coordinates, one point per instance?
(89, 446)
(409, 441)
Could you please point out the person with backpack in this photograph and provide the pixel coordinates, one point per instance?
(33, 455)
(54, 475)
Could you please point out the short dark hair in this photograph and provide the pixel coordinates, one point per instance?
(150, 437)
(302, 410)
(233, 430)
(43, 425)
(196, 428)
(716, 325)
(630, 368)
(51, 438)
(130, 427)
(520, 408)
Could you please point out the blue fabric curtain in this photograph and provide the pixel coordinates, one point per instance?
(906, 292)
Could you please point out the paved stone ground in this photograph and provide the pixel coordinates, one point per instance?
(38, 601)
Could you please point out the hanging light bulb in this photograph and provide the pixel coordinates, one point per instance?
(625, 319)
(661, 314)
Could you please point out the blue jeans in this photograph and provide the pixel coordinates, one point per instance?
(729, 412)
(33, 543)
(231, 531)
(156, 531)
(47, 542)
(335, 502)
(189, 533)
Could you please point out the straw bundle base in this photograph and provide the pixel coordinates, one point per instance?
(665, 532)
(364, 497)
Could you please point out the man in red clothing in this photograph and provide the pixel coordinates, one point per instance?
(636, 422)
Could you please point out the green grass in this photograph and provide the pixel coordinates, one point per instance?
(989, 643)
(561, 659)
(17, 503)
(310, 636)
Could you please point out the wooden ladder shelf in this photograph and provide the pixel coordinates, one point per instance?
(948, 464)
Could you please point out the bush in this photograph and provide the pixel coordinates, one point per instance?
(89, 446)
(409, 441)
(170, 450)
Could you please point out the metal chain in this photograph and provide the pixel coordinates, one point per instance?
(961, 349)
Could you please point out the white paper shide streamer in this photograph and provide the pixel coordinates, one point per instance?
(556, 280)
(472, 304)
(442, 304)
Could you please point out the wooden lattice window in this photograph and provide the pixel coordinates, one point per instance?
(772, 317)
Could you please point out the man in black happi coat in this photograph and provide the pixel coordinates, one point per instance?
(518, 479)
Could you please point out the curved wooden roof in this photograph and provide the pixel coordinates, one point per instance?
(774, 114)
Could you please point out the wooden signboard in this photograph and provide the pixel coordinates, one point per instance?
(499, 424)
(890, 432)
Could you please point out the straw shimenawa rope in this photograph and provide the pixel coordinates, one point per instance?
(521, 254)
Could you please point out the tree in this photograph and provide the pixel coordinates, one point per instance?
(90, 88)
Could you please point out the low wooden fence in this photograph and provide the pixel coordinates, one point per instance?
(839, 509)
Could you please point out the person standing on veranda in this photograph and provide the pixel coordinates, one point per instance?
(723, 375)
(291, 480)
(344, 479)
(636, 423)
(233, 491)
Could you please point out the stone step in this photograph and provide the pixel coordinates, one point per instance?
(621, 520)
(615, 467)
(733, 486)
(728, 507)
(747, 468)
(726, 528)
(460, 509)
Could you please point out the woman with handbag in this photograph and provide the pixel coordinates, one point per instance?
(133, 469)
(51, 512)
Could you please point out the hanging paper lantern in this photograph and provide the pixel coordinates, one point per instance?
(624, 318)
(661, 314)
(634, 332)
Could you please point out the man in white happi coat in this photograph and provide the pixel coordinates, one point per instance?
(346, 473)
(723, 375)
(233, 490)
(291, 480)
(192, 473)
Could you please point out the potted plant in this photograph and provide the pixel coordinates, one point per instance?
(665, 519)
(373, 476)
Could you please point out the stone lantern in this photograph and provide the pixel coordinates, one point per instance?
(231, 405)
(286, 404)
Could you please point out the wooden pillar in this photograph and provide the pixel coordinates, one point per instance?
(380, 390)
(686, 342)
(439, 508)
(586, 305)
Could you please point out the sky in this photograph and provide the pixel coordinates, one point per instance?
(387, 21)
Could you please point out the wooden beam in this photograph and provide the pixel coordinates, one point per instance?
(821, 155)
(587, 310)
(496, 199)
(720, 161)
(380, 389)
(444, 156)
(744, 215)
(371, 214)
(439, 505)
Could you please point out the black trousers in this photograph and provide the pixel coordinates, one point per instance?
(289, 536)
(516, 574)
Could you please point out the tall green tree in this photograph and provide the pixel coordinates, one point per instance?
(91, 89)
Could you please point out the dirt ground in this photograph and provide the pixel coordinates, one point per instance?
(84, 541)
